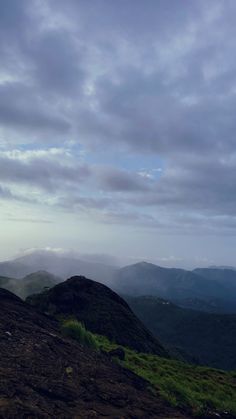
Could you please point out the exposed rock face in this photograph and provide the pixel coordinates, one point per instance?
(101, 310)
(45, 375)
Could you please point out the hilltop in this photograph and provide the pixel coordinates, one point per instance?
(100, 309)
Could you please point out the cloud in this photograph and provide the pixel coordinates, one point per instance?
(117, 180)
(120, 78)
(41, 169)
(10, 195)
(28, 220)
(21, 109)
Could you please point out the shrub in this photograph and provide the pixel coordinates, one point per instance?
(77, 331)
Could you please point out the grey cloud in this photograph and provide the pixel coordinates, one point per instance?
(117, 180)
(21, 108)
(41, 172)
(76, 202)
(210, 189)
(57, 62)
(153, 80)
(53, 174)
(7, 194)
(128, 19)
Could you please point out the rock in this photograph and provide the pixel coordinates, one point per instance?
(118, 353)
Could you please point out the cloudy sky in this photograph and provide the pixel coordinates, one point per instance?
(118, 128)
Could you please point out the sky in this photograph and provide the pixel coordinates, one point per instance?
(117, 129)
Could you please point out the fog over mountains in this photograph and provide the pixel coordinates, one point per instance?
(56, 264)
(209, 289)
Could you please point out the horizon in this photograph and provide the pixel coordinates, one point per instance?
(117, 129)
(108, 259)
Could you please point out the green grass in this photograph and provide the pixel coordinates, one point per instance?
(77, 331)
(183, 385)
(187, 386)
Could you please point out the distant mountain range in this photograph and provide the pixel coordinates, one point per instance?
(58, 265)
(176, 284)
(208, 289)
(205, 338)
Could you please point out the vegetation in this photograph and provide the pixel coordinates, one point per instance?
(198, 389)
(77, 331)
(203, 338)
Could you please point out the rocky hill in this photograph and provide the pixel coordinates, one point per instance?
(44, 374)
(100, 309)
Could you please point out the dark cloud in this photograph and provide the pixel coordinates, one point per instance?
(115, 180)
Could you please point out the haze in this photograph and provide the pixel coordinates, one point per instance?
(117, 129)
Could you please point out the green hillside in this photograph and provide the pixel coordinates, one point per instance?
(201, 391)
(206, 338)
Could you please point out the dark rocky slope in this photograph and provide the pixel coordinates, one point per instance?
(101, 310)
(45, 375)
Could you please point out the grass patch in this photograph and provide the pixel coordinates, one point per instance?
(77, 331)
(198, 389)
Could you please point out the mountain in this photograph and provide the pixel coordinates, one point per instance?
(45, 374)
(209, 305)
(224, 276)
(100, 309)
(207, 338)
(30, 284)
(59, 265)
(148, 279)
(8, 283)
(14, 269)
(36, 282)
(208, 289)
